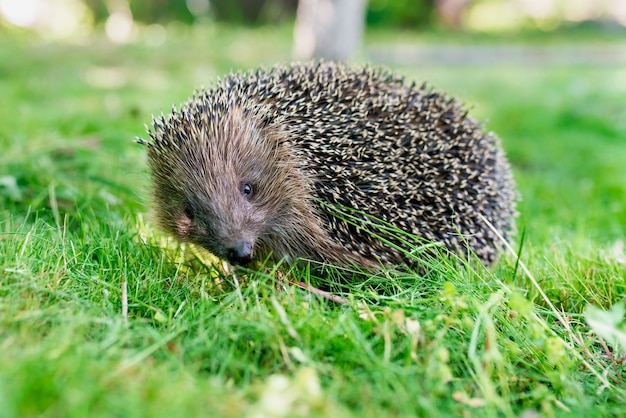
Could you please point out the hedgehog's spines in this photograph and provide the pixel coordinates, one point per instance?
(363, 138)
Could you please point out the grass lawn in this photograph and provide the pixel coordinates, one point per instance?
(76, 241)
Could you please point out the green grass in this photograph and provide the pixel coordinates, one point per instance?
(76, 242)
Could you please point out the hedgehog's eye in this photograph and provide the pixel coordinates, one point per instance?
(188, 209)
(246, 190)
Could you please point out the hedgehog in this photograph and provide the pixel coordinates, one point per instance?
(327, 162)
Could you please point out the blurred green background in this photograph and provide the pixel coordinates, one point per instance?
(66, 18)
(78, 81)
(79, 78)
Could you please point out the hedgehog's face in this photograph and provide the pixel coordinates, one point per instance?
(225, 217)
(223, 186)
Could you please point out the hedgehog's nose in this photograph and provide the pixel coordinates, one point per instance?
(241, 253)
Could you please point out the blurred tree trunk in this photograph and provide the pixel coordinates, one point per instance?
(330, 29)
(450, 12)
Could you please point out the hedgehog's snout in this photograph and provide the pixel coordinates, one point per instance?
(241, 253)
